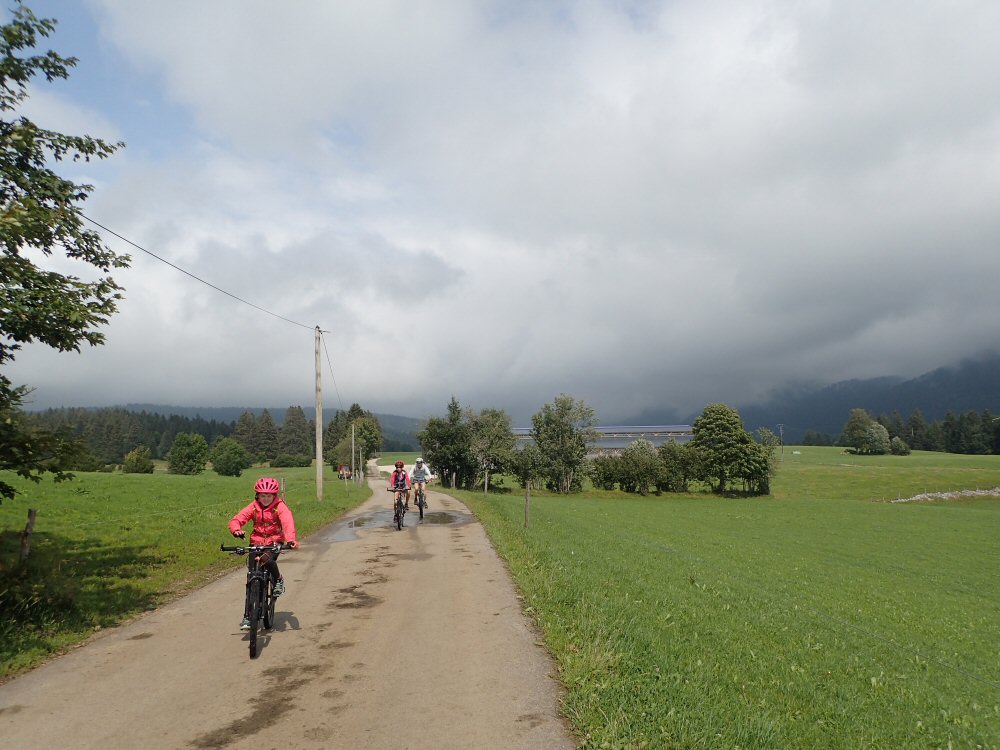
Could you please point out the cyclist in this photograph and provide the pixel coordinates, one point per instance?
(420, 477)
(272, 522)
(399, 481)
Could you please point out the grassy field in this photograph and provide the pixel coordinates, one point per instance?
(109, 546)
(821, 617)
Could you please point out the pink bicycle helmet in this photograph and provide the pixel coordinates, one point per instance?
(267, 484)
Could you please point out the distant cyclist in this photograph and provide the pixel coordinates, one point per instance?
(420, 477)
(399, 481)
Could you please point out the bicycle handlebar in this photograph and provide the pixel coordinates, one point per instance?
(256, 548)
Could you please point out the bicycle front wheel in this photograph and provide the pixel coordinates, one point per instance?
(269, 601)
(255, 612)
(420, 504)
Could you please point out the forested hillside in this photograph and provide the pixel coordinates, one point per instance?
(108, 434)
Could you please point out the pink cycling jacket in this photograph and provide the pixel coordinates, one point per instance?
(271, 524)
(397, 475)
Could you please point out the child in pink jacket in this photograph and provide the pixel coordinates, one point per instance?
(272, 522)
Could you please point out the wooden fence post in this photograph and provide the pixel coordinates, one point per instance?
(26, 535)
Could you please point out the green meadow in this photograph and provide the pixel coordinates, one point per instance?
(109, 546)
(823, 616)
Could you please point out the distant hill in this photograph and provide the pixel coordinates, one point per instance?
(972, 385)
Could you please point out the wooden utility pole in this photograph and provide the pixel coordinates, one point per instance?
(319, 422)
(26, 536)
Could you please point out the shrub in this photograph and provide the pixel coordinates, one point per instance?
(138, 461)
(899, 447)
(188, 454)
(604, 471)
(229, 458)
(284, 460)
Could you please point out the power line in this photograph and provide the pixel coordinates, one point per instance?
(330, 365)
(228, 294)
(196, 278)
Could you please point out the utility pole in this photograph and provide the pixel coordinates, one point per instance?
(319, 422)
(353, 478)
(781, 440)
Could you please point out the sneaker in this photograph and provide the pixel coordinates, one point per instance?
(245, 625)
(279, 588)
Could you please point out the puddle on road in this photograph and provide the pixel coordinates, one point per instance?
(347, 530)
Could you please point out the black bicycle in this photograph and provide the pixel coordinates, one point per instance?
(399, 507)
(260, 588)
(420, 500)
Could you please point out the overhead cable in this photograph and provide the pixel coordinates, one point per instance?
(196, 278)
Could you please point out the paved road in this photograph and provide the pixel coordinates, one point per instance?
(385, 639)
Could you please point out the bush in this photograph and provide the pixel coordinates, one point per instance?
(284, 460)
(229, 458)
(188, 454)
(604, 471)
(138, 461)
(899, 447)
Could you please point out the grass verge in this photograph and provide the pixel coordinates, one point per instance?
(818, 617)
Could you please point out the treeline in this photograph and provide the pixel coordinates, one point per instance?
(106, 437)
(467, 448)
(971, 432)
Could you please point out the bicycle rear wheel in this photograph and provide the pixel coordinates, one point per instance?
(255, 611)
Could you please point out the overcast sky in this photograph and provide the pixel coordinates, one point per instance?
(646, 205)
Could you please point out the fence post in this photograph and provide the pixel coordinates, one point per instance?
(26, 536)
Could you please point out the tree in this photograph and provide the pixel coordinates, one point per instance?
(605, 471)
(641, 467)
(855, 429)
(562, 431)
(491, 441)
(761, 463)
(724, 445)
(972, 438)
(138, 461)
(875, 441)
(229, 458)
(918, 432)
(39, 213)
(680, 466)
(267, 437)
(447, 445)
(296, 437)
(245, 432)
(367, 437)
(188, 454)
(527, 465)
